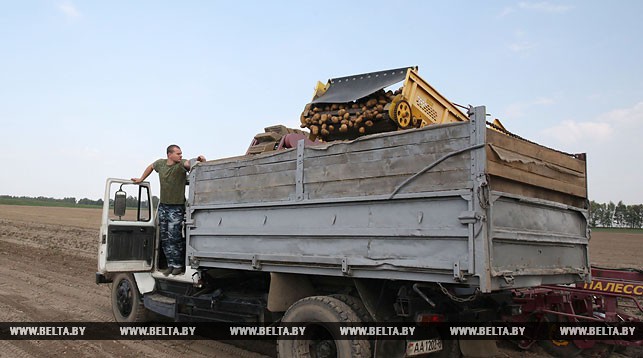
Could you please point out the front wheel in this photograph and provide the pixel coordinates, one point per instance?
(319, 340)
(126, 303)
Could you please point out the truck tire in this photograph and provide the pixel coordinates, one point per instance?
(127, 306)
(356, 305)
(319, 341)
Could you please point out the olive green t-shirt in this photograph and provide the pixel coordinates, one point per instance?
(173, 179)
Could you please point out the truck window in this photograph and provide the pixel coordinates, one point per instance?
(139, 205)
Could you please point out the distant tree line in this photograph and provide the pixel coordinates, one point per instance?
(600, 215)
(67, 202)
(132, 202)
(615, 215)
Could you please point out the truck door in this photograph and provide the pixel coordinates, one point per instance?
(128, 230)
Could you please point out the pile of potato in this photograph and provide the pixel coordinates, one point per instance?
(334, 121)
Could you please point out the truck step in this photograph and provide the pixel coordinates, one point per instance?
(160, 304)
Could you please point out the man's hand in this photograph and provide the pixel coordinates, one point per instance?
(146, 173)
(188, 164)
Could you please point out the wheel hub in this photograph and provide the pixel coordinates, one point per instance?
(325, 349)
(124, 298)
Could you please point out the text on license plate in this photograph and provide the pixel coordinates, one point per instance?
(414, 348)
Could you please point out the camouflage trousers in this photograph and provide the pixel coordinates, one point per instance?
(171, 231)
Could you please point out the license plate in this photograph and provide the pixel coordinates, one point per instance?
(414, 348)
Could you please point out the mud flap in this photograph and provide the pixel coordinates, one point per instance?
(385, 348)
(478, 348)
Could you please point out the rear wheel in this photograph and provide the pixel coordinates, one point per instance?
(126, 302)
(320, 340)
(356, 305)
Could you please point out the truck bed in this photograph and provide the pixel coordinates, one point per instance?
(452, 203)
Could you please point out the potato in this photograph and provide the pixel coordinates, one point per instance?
(343, 128)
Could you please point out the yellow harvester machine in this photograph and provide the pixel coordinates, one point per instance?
(351, 106)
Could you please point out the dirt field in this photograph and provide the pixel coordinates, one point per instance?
(47, 266)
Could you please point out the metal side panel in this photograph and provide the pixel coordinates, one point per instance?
(537, 241)
(366, 238)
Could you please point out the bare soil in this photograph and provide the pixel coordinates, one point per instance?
(47, 267)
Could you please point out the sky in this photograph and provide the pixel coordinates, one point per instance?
(98, 89)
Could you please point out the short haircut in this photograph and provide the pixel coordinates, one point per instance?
(171, 148)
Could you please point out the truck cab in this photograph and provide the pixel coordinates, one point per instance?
(129, 254)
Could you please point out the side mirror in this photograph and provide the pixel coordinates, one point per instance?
(120, 203)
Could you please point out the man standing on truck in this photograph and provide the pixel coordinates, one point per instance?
(173, 177)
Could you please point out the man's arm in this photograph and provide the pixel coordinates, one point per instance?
(200, 158)
(145, 174)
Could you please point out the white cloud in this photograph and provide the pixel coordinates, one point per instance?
(545, 6)
(612, 143)
(522, 47)
(520, 43)
(618, 126)
(543, 101)
(69, 10)
(506, 11)
(626, 115)
(571, 132)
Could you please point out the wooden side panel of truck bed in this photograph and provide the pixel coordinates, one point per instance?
(365, 167)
